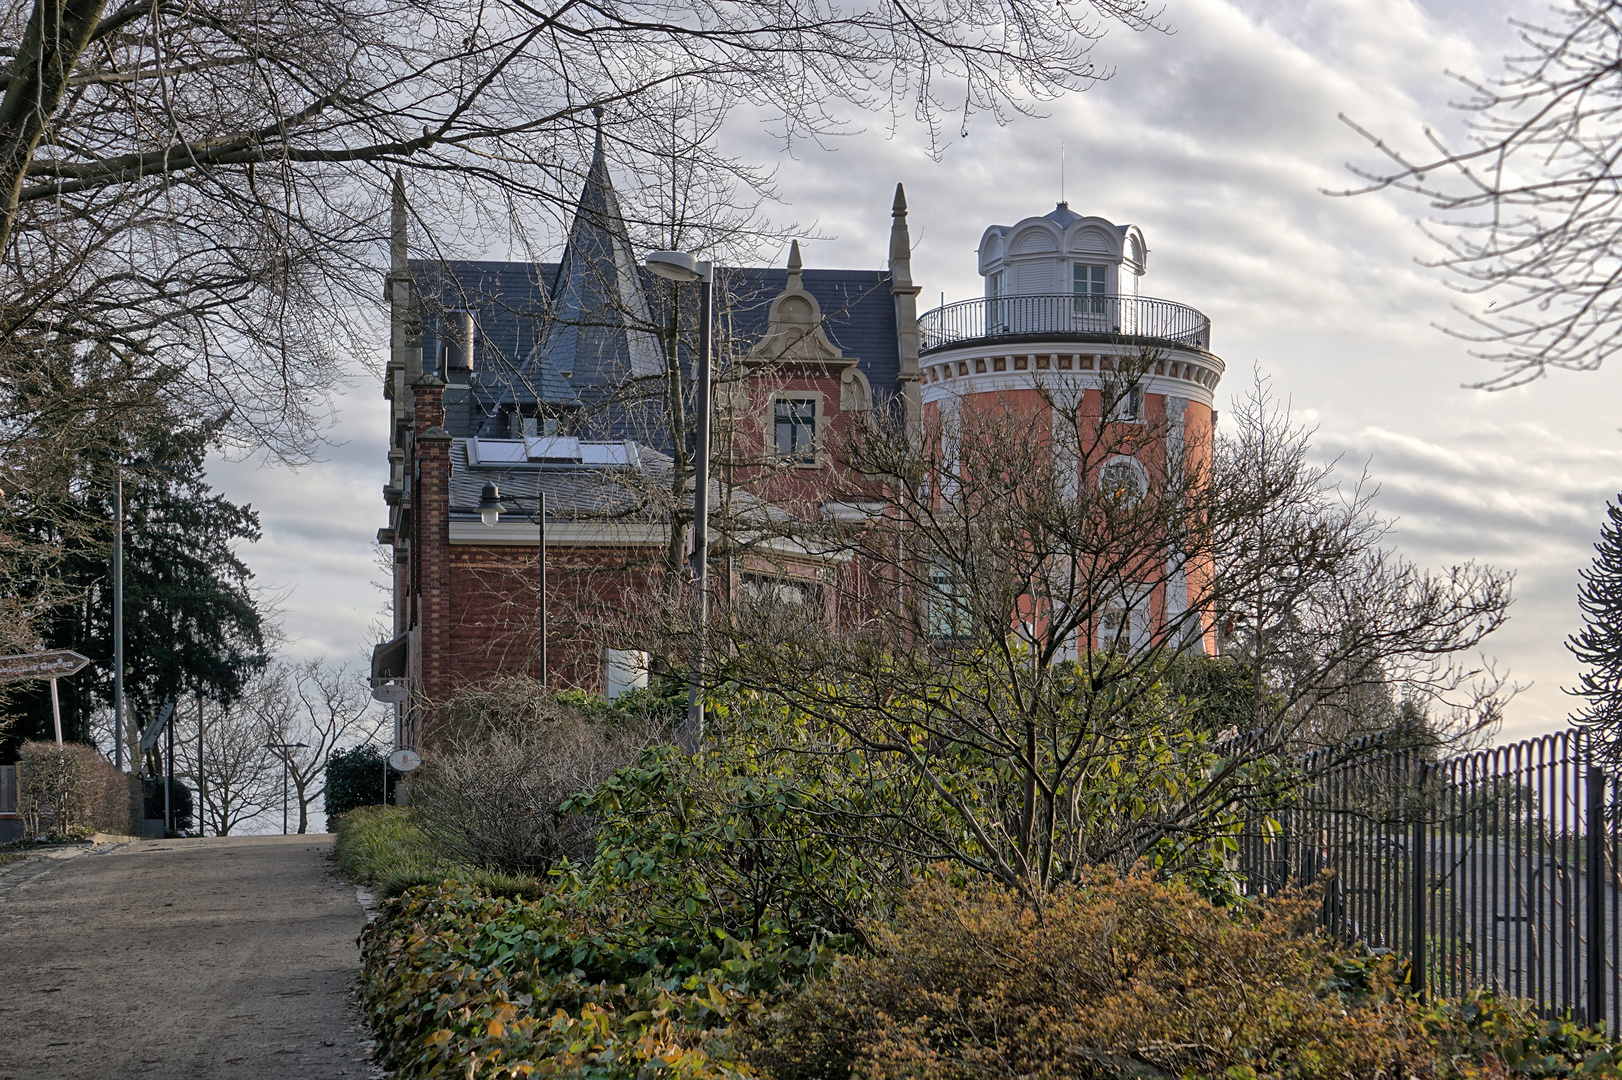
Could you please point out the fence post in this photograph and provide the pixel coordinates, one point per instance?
(1420, 868)
(1594, 826)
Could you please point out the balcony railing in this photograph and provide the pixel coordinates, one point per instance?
(1066, 315)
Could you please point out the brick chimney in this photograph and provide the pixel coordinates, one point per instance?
(430, 551)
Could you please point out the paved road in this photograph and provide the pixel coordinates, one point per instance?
(216, 958)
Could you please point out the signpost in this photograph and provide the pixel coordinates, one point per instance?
(53, 665)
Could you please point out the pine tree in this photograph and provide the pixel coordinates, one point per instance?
(191, 620)
(1599, 644)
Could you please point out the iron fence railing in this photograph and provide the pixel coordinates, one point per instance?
(1065, 315)
(1497, 869)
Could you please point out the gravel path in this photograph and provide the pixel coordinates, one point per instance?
(214, 958)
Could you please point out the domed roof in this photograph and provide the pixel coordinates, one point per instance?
(1063, 216)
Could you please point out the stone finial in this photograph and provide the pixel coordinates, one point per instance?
(397, 224)
(900, 241)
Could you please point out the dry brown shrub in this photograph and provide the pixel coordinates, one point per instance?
(511, 755)
(70, 789)
(1116, 977)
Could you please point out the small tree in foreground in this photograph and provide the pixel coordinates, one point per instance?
(1008, 654)
(1599, 643)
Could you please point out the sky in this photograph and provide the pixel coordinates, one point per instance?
(1218, 139)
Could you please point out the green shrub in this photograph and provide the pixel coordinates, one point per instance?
(456, 982)
(386, 847)
(355, 777)
(775, 827)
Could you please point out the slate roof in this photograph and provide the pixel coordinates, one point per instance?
(511, 300)
(563, 336)
(583, 492)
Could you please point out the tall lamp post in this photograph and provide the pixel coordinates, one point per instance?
(490, 511)
(283, 748)
(679, 266)
(118, 623)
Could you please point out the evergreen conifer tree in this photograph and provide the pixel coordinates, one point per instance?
(1599, 644)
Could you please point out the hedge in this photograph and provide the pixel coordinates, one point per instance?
(71, 791)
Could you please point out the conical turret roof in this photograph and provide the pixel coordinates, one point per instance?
(592, 335)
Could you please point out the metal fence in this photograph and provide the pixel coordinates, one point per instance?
(1065, 315)
(1496, 869)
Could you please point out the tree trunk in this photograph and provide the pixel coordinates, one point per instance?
(56, 35)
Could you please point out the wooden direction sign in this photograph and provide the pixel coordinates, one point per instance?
(41, 665)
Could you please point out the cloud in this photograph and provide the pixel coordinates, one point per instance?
(1217, 140)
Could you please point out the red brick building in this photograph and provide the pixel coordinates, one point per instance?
(553, 378)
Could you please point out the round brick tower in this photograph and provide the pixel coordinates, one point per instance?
(1063, 319)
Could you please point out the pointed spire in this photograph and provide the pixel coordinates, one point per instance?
(596, 306)
(794, 265)
(397, 225)
(900, 241)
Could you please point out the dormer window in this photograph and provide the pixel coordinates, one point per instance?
(997, 284)
(1091, 285)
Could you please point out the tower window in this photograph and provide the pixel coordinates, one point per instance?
(1128, 408)
(794, 428)
(1121, 480)
(1090, 286)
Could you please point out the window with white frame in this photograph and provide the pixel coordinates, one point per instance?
(1124, 627)
(1090, 285)
(794, 429)
(770, 589)
(947, 618)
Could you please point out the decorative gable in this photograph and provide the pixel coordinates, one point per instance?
(794, 333)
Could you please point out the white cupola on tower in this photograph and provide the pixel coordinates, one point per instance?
(1062, 252)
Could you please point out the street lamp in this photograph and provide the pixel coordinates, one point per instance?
(679, 266)
(490, 511)
(284, 747)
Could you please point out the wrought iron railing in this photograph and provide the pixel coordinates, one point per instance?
(1494, 870)
(1065, 315)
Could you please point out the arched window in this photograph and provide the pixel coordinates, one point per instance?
(1122, 478)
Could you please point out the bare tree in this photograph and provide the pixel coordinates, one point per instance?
(197, 187)
(322, 706)
(1529, 202)
(238, 780)
(1007, 627)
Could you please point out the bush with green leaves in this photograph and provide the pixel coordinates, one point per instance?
(356, 777)
(457, 982)
(775, 827)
